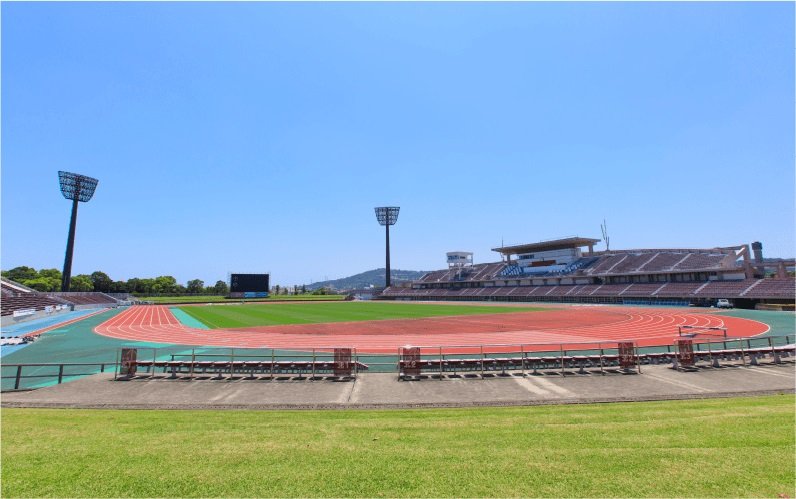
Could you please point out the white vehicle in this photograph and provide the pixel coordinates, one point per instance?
(723, 303)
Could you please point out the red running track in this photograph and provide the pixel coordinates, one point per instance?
(569, 325)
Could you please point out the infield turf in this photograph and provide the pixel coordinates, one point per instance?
(734, 447)
(312, 313)
(169, 300)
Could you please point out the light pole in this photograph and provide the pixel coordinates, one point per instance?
(77, 188)
(387, 215)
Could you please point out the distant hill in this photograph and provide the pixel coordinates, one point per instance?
(368, 279)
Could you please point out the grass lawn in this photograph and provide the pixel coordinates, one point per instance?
(302, 313)
(741, 447)
(216, 298)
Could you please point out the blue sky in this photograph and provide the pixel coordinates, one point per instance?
(260, 136)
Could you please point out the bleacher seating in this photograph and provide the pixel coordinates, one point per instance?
(699, 261)
(641, 289)
(511, 270)
(772, 288)
(604, 264)
(679, 289)
(651, 261)
(479, 272)
(724, 289)
(679, 267)
(16, 297)
(751, 288)
(86, 298)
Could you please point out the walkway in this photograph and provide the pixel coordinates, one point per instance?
(375, 390)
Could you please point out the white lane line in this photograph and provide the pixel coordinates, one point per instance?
(531, 387)
(681, 384)
(549, 385)
(766, 371)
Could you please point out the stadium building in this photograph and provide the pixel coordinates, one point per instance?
(569, 270)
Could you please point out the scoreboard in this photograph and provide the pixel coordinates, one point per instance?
(248, 285)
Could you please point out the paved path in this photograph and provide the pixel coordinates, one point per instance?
(372, 390)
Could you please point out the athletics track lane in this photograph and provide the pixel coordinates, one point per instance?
(571, 325)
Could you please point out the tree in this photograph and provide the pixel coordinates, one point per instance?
(133, 285)
(43, 284)
(195, 286)
(303, 289)
(164, 284)
(145, 286)
(277, 289)
(51, 273)
(20, 274)
(101, 281)
(221, 288)
(81, 282)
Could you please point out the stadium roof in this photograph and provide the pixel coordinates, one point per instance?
(553, 244)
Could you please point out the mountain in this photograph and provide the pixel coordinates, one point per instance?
(370, 278)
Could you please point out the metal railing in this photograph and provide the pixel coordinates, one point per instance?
(63, 371)
(57, 373)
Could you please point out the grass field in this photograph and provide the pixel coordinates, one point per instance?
(298, 313)
(741, 447)
(217, 299)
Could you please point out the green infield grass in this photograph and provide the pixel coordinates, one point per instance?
(302, 313)
(738, 447)
(224, 299)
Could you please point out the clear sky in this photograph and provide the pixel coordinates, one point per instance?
(260, 136)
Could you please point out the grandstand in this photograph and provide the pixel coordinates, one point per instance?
(87, 298)
(20, 303)
(560, 270)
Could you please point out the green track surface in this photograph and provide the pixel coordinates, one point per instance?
(302, 313)
(738, 447)
(780, 322)
(73, 343)
(186, 319)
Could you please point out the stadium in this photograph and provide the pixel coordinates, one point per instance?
(550, 325)
(223, 157)
(592, 303)
(559, 271)
(579, 328)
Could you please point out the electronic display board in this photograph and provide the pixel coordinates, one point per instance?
(245, 283)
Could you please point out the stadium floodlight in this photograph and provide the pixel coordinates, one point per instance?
(76, 188)
(387, 215)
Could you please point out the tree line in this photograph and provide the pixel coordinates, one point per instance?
(46, 280)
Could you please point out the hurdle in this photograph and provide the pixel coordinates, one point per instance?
(693, 331)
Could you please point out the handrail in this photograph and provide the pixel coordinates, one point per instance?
(61, 374)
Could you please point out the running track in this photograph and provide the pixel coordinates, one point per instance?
(647, 326)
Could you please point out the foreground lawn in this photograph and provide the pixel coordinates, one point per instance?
(303, 313)
(741, 447)
(216, 298)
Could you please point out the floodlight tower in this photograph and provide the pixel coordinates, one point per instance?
(77, 188)
(387, 215)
